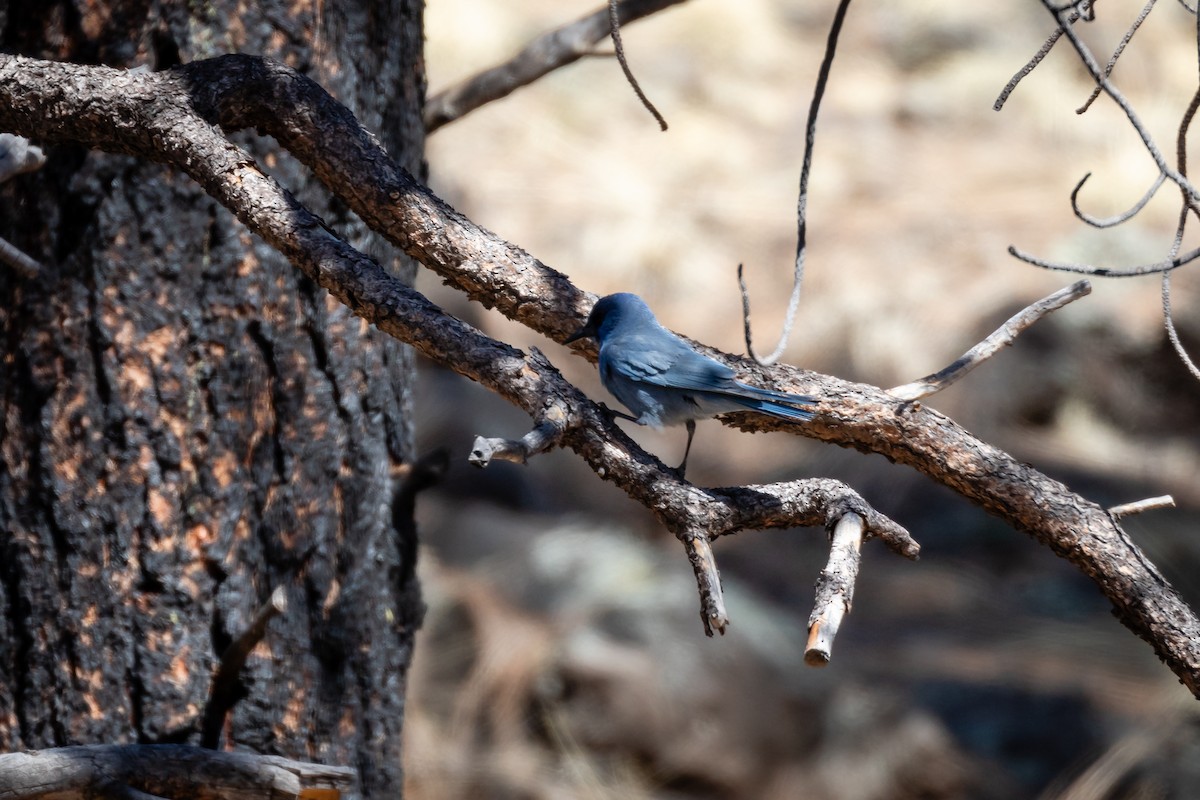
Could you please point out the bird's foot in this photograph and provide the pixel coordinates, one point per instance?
(615, 414)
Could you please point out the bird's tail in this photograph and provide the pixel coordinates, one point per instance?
(777, 404)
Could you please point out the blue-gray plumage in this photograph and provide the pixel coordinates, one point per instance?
(663, 380)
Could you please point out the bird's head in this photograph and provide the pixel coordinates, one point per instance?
(608, 313)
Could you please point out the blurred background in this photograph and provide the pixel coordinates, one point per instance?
(563, 655)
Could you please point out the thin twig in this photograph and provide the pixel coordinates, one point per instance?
(1029, 67)
(224, 692)
(1089, 61)
(614, 19)
(1105, 272)
(1181, 159)
(1112, 62)
(835, 589)
(1172, 333)
(1033, 63)
(810, 137)
(1001, 337)
(543, 55)
(708, 581)
(1137, 507)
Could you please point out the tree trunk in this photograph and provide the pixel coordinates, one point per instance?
(189, 423)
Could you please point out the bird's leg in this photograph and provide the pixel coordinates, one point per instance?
(691, 429)
(615, 414)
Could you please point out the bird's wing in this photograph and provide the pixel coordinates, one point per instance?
(666, 362)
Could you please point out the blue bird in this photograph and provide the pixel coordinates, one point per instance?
(663, 380)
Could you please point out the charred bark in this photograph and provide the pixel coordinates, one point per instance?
(189, 423)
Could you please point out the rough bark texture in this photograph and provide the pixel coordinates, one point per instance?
(188, 422)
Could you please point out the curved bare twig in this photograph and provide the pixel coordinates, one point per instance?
(614, 23)
(1089, 61)
(1181, 159)
(1125, 216)
(1172, 333)
(810, 138)
(1165, 265)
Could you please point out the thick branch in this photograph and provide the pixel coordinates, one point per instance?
(543, 55)
(529, 381)
(138, 771)
(155, 116)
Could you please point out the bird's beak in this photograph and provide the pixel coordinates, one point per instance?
(585, 332)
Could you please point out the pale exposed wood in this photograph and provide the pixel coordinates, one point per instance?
(835, 589)
(1138, 506)
(708, 579)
